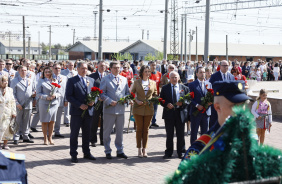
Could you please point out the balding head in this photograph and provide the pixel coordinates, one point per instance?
(224, 66)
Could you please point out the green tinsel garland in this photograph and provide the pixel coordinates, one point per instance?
(241, 160)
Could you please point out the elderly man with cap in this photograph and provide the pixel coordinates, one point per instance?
(227, 94)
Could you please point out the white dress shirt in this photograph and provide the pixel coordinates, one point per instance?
(177, 91)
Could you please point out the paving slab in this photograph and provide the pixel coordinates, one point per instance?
(51, 164)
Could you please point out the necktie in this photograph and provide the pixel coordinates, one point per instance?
(203, 87)
(71, 73)
(85, 87)
(24, 82)
(224, 77)
(174, 95)
(101, 76)
(58, 78)
(117, 79)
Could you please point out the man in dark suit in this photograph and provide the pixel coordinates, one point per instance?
(174, 114)
(221, 75)
(200, 90)
(97, 76)
(164, 67)
(76, 92)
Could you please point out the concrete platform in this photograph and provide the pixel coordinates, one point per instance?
(51, 164)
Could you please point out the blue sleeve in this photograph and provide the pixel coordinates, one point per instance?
(70, 94)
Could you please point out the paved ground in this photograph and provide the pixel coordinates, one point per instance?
(51, 164)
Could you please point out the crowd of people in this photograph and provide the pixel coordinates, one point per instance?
(57, 89)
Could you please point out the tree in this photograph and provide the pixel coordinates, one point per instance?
(149, 57)
(44, 47)
(157, 56)
(121, 57)
(170, 57)
(58, 46)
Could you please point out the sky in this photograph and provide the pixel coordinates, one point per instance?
(249, 26)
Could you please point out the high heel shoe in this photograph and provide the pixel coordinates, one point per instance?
(144, 153)
(140, 153)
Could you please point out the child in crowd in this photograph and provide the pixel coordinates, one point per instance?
(264, 75)
(261, 109)
(253, 73)
(258, 74)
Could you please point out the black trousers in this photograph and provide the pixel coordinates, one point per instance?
(213, 118)
(170, 124)
(76, 123)
(94, 125)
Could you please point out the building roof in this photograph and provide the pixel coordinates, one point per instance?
(218, 49)
(108, 47)
(14, 43)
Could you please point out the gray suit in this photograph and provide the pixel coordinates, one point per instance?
(62, 80)
(31, 75)
(68, 74)
(23, 91)
(113, 91)
(43, 90)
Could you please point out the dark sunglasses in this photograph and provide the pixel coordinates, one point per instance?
(57, 68)
(9, 63)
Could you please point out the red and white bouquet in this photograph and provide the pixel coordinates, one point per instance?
(54, 86)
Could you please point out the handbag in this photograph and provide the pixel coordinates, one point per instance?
(13, 126)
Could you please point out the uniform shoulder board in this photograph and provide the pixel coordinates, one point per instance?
(13, 156)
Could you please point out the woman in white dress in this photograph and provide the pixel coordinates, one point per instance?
(47, 95)
(276, 71)
(7, 109)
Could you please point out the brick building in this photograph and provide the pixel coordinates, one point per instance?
(89, 49)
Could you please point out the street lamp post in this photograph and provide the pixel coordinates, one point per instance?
(165, 29)
(100, 54)
(207, 30)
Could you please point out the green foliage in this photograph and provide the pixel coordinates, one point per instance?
(241, 159)
(121, 57)
(62, 53)
(157, 56)
(149, 57)
(171, 57)
(57, 46)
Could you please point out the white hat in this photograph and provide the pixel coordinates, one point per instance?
(190, 77)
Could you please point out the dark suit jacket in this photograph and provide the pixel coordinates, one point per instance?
(163, 70)
(97, 78)
(76, 94)
(166, 94)
(217, 77)
(246, 70)
(198, 94)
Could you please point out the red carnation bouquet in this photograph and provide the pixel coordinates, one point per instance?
(54, 86)
(156, 100)
(205, 101)
(95, 92)
(186, 98)
(126, 98)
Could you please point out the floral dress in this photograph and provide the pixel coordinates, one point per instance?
(262, 109)
(7, 109)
